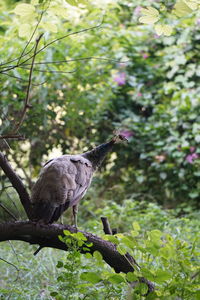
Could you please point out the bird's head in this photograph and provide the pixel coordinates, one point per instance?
(121, 136)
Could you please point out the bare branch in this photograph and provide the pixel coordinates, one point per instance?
(17, 184)
(12, 136)
(34, 31)
(8, 212)
(49, 71)
(63, 37)
(26, 101)
(76, 59)
(9, 263)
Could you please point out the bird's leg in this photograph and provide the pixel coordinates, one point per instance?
(75, 211)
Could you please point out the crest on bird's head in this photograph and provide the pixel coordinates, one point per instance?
(122, 135)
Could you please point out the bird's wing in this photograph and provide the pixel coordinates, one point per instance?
(62, 182)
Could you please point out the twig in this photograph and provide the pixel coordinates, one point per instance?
(12, 136)
(63, 37)
(49, 71)
(26, 101)
(34, 31)
(9, 263)
(8, 212)
(76, 59)
(19, 78)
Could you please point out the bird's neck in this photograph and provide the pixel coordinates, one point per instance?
(97, 155)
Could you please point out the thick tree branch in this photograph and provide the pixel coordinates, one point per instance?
(16, 183)
(47, 236)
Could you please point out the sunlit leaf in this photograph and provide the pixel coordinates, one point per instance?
(50, 27)
(148, 19)
(97, 255)
(91, 277)
(150, 11)
(136, 226)
(72, 2)
(182, 8)
(24, 9)
(163, 29)
(116, 278)
(130, 276)
(34, 2)
(150, 15)
(162, 276)
(24, 30)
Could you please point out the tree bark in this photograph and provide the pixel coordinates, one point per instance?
(17, 184)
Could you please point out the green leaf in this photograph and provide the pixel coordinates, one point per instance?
(72, 2)
(121, 249)
(53, 294)
(59, 264)
(163, 29)
(161, 276)
(130, 276)
(112, 239)
(24, 9)
(136, 226)
(125, 240)
(91, 277)
(24, 30)
(79, 236)
(116, 278)
(98, 256)
(67, 232)
(151, 15)
(182, 8)
(167, 252)
(50, 27)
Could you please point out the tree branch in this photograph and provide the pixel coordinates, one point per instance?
(26, 101)
(17, 184)
(47, 236)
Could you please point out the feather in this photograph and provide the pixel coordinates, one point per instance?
(64, 180)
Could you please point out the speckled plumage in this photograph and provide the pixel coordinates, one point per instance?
(63, 181)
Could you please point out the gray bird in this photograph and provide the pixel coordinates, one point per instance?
(64, 180)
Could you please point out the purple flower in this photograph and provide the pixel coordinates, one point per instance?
(198, 21)
(145, 55)
(192, 149)
(191, 157)
(137, 11)
(120, 78)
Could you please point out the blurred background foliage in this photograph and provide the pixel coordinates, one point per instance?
(119, 75)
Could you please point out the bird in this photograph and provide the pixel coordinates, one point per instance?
(63, 181)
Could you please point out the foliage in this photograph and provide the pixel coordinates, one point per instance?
(169, 13)
(121, 74)
(165, 257)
